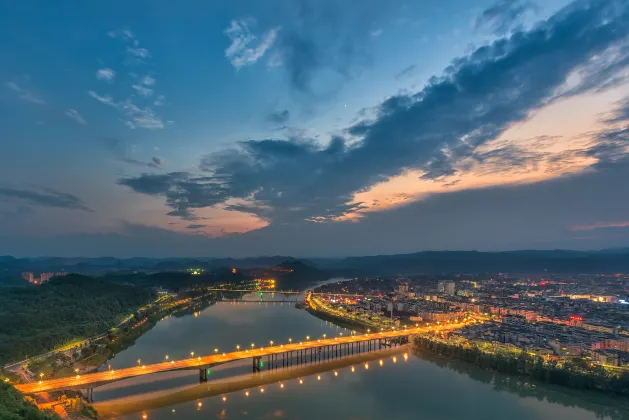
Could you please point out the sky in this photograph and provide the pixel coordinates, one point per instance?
(312, 128)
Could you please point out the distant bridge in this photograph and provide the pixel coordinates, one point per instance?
(281, 292)
(290, 354)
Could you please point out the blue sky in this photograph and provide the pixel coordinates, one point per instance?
(312, 128)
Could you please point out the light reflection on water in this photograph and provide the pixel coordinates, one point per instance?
(401, 390)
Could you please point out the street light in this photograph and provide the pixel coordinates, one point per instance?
(237, 346)
(271, 342)
(139, 361)
(290, 340)
(166, 357)
(191, 354)
(252, 345)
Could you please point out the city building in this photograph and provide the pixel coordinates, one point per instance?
(446, 287)
(44, 277)
(402, 289)
(29, 277)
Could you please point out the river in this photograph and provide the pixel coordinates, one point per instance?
(370, 386)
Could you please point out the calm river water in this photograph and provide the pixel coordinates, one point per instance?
(373, 386)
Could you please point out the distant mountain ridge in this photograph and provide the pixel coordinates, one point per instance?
(426, 262)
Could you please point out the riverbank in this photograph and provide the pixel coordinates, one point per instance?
(316, 308)
(575, 373)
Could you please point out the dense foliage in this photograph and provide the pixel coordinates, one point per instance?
(176, 281)
(576, 374)
(14, 407)
(36, 319)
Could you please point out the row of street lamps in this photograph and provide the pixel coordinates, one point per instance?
(290, 341)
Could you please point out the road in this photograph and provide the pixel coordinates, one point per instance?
(15, 366)
(99, 378)
(281, 292)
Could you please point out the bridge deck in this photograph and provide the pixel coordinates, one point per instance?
(282, 292)
(91, 380)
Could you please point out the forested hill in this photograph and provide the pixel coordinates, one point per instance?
(35, 319)
(14, 407)
(430, 262)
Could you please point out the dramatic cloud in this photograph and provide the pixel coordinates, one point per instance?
(430, 132)
(106, 74)
(279, 117)
(183, 191)
(74, 114)
(476, 99)
(44, 197)
(25, 94)
(246, 48)
(504, 15)
(458, 220)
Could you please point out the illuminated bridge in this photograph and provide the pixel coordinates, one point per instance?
(281, 292)
(276, 355)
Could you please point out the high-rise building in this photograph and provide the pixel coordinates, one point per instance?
(446, 287)
(44, 277)
(402, 289)
(29, 277)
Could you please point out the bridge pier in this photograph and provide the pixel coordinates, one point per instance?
(203, 375)
(89, 395)
(256, 363)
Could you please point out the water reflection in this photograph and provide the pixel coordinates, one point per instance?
(602, 405)
(278, 378)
